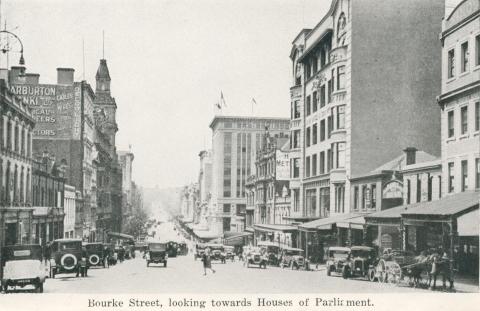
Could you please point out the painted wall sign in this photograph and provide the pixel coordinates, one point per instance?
(282, 166)
(392, 190)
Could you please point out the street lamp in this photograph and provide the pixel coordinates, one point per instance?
(6, 47)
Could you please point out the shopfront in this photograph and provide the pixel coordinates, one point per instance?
(383, 229)
(283, 235)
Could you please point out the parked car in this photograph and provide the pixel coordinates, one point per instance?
(217, 252)
(96, 255)
(273, 252)
(229, 252)
(156, 253)
(350, 261)
(293, 258)
(67, 256)
(23, 265)
(256, 256)
(199, 250)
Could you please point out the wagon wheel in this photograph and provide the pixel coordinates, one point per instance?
(381, 271)
(394, 273)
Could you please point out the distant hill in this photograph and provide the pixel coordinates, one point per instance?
(162, 200)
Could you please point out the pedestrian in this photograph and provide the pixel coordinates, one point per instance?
(207, 262)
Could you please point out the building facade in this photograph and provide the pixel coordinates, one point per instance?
(16, 132)
(69, 196)
(235, 141)
(342, 125)
(126, 162)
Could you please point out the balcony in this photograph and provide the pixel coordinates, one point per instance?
(296, 91)
(338, 54)
(295, 124)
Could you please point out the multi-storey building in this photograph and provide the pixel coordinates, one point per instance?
(235, 141)
(356, 102)
(271, 192)
(16, 132)
(63, 113)
(204, 187)
(69, 196)
(126, 162)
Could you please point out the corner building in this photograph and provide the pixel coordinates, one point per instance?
(235, 141)
(364, 89)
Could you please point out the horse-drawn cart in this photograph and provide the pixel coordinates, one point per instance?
(396, 267)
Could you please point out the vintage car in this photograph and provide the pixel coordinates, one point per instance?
(272, 250)
(96, 255)
(172, 248)
(199, 250)
(256, 256)
(229, 252)
(157, 252)
(293, 258)
(350, 261)
(67, 256)
(217, 252)
(23, 265)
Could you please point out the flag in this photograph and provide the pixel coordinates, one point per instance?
(253, 101)
(222, 100)
(217, 104)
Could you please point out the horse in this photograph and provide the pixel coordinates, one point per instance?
(436, 266)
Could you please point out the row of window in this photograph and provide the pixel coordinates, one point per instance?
(423, 194)
(318, 60)
(15, 138)
(368, 198)
(311, 201)
(314, 134)
(17, 181)
(463, 175)
(323, 95)
(464, 58)
(325, 160)
(464, 124)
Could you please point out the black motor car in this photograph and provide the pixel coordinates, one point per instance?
(23, 265)
(157, 253)
(96, 255)
(67, 256)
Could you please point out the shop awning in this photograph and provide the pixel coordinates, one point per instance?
(468, 225)
(272, 228)
(353, 223)
(326, 223)
(452, 205)
(386, 217)
(206, 235)
(120, 235)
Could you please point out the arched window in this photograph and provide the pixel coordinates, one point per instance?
(342, 22)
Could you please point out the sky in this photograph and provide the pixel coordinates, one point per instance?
(169, 60)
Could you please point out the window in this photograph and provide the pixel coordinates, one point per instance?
(308, 70)
(296, 139)
(296, 109)
(322, 96)
(465, 54)
(364, 197)
(340, 77)
(322, 162)
(307, 137)
(419, 189)
(477, 50)
(340, 199)
(464, 175)
(311, 201)
(374, 196)
(314, 165)
(451, 63)
(333, 79)
(322, 130)
(296, 168)
(477, 173)
(314, 133)
(341, 117)
(477, 116)
(329, 126)
(340, 155)
(464, 119)
(315, 101)
(329, 160)
(307, 167)
(296, 199)
(314, 65)
(329, 90)
(451, 177)
(408, 191)
(355, 198)
(308, 105)
(451, 124)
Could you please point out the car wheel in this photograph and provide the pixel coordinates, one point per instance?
(371, 275)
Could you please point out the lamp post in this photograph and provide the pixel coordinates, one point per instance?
(6, 46)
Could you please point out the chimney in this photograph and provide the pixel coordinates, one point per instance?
(32, 78)
(17, 75)
(410, 154)
(65, 76)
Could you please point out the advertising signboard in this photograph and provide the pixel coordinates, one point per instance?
(282, 166)
(52, 108)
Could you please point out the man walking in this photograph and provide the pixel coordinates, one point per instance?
(207, 262)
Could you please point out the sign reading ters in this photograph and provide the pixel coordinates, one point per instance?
(52, 108)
